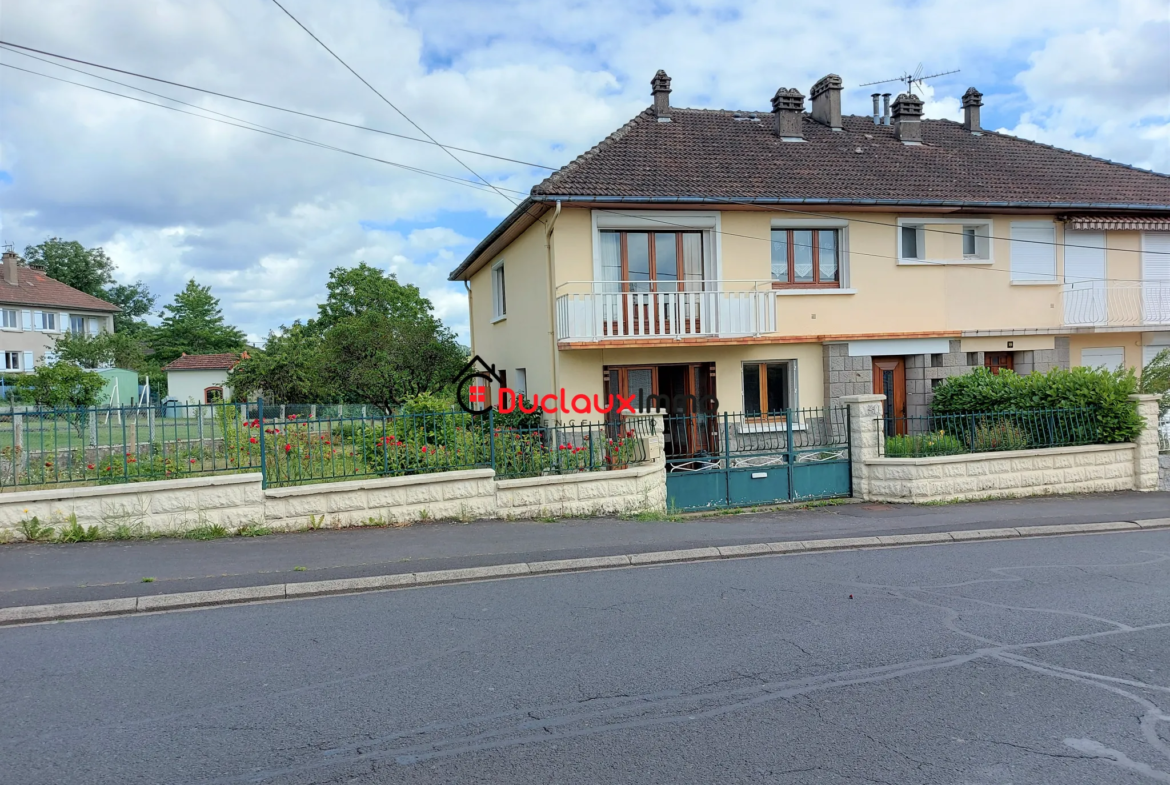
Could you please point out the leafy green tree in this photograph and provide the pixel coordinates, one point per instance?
(287, 370)
(384, 361)
(93, 351)
(1155, 380)
(89, 270)
(194, 324)
(357, 290)
(65, 386)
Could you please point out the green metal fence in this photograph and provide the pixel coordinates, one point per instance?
(290, 444)
(954, 434)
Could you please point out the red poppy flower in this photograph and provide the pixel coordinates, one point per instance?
(133, 460)
(48, 463)
(292, 416)
(192, 460)
(424, 449)
(253, 440)
(109, 468)
(89, 466)
(288, 448)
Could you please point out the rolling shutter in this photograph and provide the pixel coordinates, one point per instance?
(1111, 358)
(1033, 249)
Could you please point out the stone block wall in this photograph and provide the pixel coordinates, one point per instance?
(233, 501)
(1086, 469)
(844, 375)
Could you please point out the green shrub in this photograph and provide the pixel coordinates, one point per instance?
(33, 530)
(1103, 392)
(999, 435)
(923, 444)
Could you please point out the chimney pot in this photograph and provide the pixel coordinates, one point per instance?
(972, 100)
(877, 116)
(660, 89)
(788, 106)
(908, 118)
(885, 108)
(826, 101)
(11, 268)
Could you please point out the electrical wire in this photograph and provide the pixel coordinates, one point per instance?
(263, 130)
(12, 47)
(386, 100)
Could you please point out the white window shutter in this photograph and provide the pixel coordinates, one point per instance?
(26, 319)
(1033, 249)
(26, 361)
(92, 326)
(63, 325)
(38, 321)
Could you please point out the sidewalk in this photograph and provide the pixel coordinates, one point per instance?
(36, 574)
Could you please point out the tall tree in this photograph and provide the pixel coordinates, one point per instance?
(194, 324)
(89, 270)
(287, 370)
(357, 290)
(93, 351)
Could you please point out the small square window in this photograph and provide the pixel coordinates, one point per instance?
(973, 358)
(11, 318)
(936, 361)
(766, 388)
(934, 383)
(913, 242)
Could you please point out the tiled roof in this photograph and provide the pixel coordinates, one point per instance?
(37, 289)
(204, 362)
(705, 152)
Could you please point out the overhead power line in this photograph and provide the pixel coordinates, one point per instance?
(262, 130)
(386, 100)
(13, 47)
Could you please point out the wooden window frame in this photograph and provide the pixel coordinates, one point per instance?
(652, 260)
(217, 387)
(789, 393)
(816, 282)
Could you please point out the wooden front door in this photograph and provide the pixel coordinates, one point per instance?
(998, 361)
(889, 379)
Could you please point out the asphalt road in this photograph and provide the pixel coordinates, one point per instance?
(1024, 662)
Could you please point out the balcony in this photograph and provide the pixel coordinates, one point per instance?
(626, 311)
(1116, 303)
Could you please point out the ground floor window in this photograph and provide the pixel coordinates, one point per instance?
(767, 387)
(12, 361)
(213, 395)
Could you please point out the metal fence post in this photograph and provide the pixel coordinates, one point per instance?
(492, 436)
(790, 456)
(263, 455)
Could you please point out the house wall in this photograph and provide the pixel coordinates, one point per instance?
(17, 339)
(523, 339)
(188, 386)
(1131, 342)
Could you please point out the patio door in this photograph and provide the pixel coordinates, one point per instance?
(653, 280)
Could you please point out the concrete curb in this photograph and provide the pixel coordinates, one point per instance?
(201, 599)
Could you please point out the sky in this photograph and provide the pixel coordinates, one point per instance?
(263, 220)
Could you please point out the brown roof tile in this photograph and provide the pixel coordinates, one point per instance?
(204, 362)
(710, 153)
(37, 289)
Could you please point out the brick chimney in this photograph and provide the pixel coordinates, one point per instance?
(908, 118)
(826, 101)
(972, 100)
(660, 89)
(788, 106)
(11, 268)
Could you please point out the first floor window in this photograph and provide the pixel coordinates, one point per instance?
(913, 242)
(46, 321)
(806, 257)
(213, 395)
(1033, 248)
(12, 361)
(499, 295)
(11, 318)
(766, 388)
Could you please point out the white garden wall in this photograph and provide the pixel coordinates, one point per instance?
(1086, 469)
(175, 506)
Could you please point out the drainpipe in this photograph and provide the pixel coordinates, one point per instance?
(470, 317)
(552, 299)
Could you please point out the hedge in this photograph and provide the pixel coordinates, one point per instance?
(1106, 393)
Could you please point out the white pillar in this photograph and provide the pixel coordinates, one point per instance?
(865, 413)
(1145, 455)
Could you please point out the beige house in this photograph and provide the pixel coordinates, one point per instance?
(35, 310)
(785, 259)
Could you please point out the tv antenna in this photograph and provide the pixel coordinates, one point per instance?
(912, 79)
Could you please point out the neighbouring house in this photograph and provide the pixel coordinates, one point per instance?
(785, 259)
(35, 310)
(201, 378)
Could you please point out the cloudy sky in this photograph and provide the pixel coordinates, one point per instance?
(263, 220)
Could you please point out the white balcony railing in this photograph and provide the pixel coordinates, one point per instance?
(1116, 303)
(614, 310)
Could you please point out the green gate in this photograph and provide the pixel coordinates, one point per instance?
(738, 460)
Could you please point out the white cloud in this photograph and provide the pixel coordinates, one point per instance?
(263, 220)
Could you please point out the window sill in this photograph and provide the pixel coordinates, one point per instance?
(1036, 283)
(946, 262)
(499, 319)
(797, 291)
